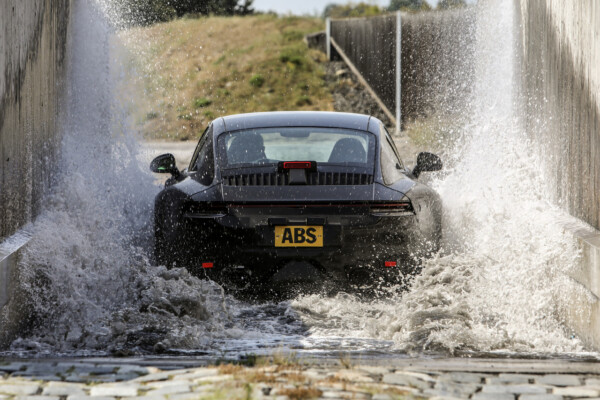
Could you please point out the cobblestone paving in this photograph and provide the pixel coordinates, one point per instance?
(56, 380)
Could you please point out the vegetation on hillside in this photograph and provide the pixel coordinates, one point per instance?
(362, 9)
(350, 10)
(189, 71)
(448, 4)
(145, 12)
(409, 5)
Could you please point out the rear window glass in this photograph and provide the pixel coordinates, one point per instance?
(266, 146)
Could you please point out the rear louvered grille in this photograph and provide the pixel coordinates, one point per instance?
(314, 178)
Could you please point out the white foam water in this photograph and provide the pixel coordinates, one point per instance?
(498, 285)
(493, 288)
(86, 269)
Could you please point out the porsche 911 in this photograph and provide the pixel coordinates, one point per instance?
(280, 198)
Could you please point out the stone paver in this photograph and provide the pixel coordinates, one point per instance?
(145, 397)
(381, 397)
(516, 389)
(97, 381)
(559, 380)
(90, 398)
(456, 389)
(493, 396)
(37, 397)
(123, 390)
(405, 380)
(198, 374)
(463, 377)
(540, 397)
(576, 391)
(509, 379)
(63, 390)
(24, 389)
(168, 390)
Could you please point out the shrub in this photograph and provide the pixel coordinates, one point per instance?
(257, 80)
(303, 101)
(292, 36)
(202, 102)
(292, 55)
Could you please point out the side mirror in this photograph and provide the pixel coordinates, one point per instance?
(164, 164)
(427, 162)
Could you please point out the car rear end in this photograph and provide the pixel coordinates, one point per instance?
(308, 210)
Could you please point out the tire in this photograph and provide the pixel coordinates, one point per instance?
(170, 247)
(162, 252)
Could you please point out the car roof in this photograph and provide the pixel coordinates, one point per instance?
(322, 119)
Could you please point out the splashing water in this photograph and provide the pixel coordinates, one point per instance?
(493, 289)
(86, 269)
(497, 288)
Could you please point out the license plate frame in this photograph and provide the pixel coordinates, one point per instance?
(299, 236)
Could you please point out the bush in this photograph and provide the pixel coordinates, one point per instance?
(303, 101)
(151, 115)
(292, 36)
(292, 55)
(202, 102)
(257, 80)
(351, 10)
(409, 5)
(144, 12)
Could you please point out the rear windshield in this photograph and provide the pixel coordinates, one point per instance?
(266, 146)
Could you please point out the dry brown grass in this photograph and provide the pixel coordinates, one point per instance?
(301, 393)
(260, 377)
(230, 369)
(294, 377)
(184, 73)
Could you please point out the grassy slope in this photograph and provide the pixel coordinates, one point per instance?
(186, 72)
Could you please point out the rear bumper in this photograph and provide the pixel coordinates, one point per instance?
(355, 249)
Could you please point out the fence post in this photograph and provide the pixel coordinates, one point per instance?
(398, 72)
(328, 38)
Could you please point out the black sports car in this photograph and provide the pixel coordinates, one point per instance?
(283, 197)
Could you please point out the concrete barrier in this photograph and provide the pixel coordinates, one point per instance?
(579, 302)
(32, 62)
(435, 56)
(14, 311)
(560, 53)
(33, 48)
(560, 59)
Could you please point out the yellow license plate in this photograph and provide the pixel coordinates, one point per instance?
(298, 236)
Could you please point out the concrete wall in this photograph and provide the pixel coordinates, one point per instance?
(370, 44)
(14, 307)
(436, 53)
(561, 83)
(437, 62)
(33, 36)
(33, 45)
(560, 59)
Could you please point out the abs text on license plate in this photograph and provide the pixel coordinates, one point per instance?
(298, 236)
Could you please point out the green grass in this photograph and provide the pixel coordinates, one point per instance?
(202, 102)
(184, 73)
(257, 80)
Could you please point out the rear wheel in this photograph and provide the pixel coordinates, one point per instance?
(163, 254)
(170, 244)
